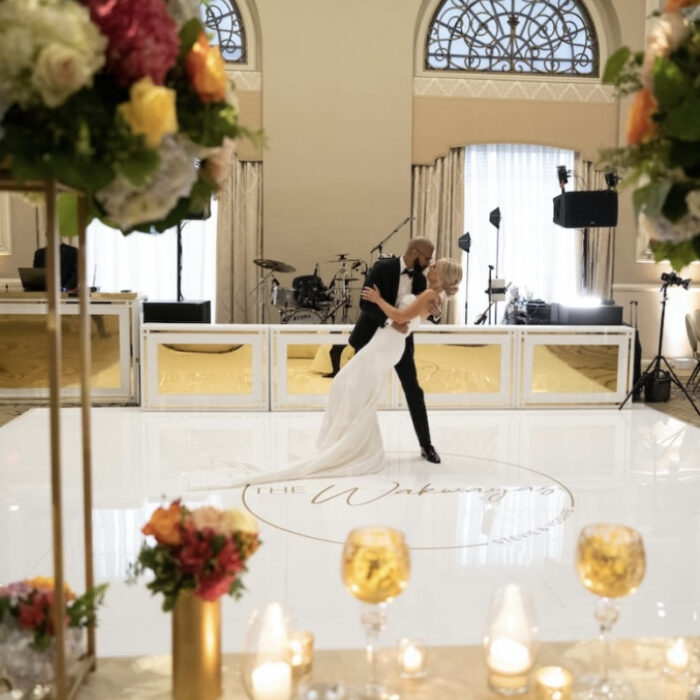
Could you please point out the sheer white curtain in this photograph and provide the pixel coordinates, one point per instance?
(539, 257)
(147, 263)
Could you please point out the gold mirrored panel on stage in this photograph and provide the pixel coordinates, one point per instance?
(574, 369)
(24, 351)
(458, 369)
(306, 365)
(199, 368)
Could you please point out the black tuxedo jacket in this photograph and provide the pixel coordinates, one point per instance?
(385, 273)
(69, 264)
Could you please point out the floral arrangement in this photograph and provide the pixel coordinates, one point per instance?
(203, 550)
(125, 101)
(28, 606)
(663, 131)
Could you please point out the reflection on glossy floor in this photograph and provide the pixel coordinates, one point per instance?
(507, 503)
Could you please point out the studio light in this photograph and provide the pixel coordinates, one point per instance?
(671, 279)
(562, 176)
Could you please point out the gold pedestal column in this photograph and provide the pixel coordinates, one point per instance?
(196, 648)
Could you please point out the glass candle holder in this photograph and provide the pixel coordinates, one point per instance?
(412, 658)
(266, 668)
(301, 647)
(510, 640)
(677, 655)
(553, 683)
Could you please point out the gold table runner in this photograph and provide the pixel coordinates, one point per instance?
(454, 673)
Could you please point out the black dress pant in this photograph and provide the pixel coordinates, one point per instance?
(408, 376)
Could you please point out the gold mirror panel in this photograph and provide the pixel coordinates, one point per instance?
(24, 351)
(459, 369)
(574, 369)
(306, 365)
(211, 368)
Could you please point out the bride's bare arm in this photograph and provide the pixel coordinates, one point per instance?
(419, 306)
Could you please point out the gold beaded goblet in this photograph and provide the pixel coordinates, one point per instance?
(375, 569)
(611, 563)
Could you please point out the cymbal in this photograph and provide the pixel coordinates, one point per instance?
(274, 265)
(341, 258)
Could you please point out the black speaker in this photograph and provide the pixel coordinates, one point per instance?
(586, 209)
(177, 312)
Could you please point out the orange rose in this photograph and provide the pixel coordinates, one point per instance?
(164, 525)
(640, 127)
(675, 5)
(46, 583)
(206, 70)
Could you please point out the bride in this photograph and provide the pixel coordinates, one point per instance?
(349, 441)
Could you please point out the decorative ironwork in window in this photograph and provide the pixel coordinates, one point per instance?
(224, 19)
(512, 36)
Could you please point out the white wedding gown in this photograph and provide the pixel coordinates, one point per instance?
(349, 441)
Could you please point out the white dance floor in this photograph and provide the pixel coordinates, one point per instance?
(506, 504)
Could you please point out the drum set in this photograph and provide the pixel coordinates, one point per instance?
(309, 300)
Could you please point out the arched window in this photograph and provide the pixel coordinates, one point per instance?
(512, 36)
(224, 19)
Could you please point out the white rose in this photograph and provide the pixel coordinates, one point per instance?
(661, 229)
(217, 165)
(692, 199)
(59, 72)
(666, 34)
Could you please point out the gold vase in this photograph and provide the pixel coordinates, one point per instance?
(196, 648)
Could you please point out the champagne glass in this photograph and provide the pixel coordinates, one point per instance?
(611, 563)
(375, 569)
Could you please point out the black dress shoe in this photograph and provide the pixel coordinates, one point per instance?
(330, 375)
(430, 454)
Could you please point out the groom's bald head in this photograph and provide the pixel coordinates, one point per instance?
(419, 252)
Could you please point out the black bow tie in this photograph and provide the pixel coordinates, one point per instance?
(408, 272)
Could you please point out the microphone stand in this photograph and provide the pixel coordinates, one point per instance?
(381, 243)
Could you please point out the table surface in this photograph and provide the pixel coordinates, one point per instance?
(454, 673)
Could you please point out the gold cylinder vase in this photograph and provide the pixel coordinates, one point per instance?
(196, 648)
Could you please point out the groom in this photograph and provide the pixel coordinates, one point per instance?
(396, 277)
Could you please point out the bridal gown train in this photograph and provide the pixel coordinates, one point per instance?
(349, 441)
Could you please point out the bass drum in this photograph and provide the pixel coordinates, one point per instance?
(299, 316)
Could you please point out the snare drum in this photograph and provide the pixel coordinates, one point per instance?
(299, 316)
(283, 296)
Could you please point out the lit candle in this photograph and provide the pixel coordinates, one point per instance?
(272, 681)
(508, 657)
(301, 646)
(412, 657)
(553, 683)
(678, 657)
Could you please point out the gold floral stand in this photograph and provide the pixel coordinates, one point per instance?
(65, 690)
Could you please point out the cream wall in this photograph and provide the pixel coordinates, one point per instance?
(337, 94)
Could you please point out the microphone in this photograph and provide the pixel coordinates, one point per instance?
(275, 281)
(316, 270)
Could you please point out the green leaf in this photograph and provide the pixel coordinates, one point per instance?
(139, 166)
(651, 197)
(67, 207)
(188, 35)
(678, 254)
(671, 84)
(615, 64)
(675, 205)
(683, 122)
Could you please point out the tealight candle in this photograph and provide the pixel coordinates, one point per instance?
(508, 657)
(301, 646)
(412, 658)
(553, 683)
(272, 681)
(677, 656)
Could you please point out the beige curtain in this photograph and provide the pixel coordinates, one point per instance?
(438, 208)
(598, 246)
(239, 242)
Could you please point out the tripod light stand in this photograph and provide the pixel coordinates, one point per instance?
(653, 371)
(465, 243)
(495, 220)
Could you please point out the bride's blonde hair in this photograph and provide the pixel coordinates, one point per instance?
(450, 275)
